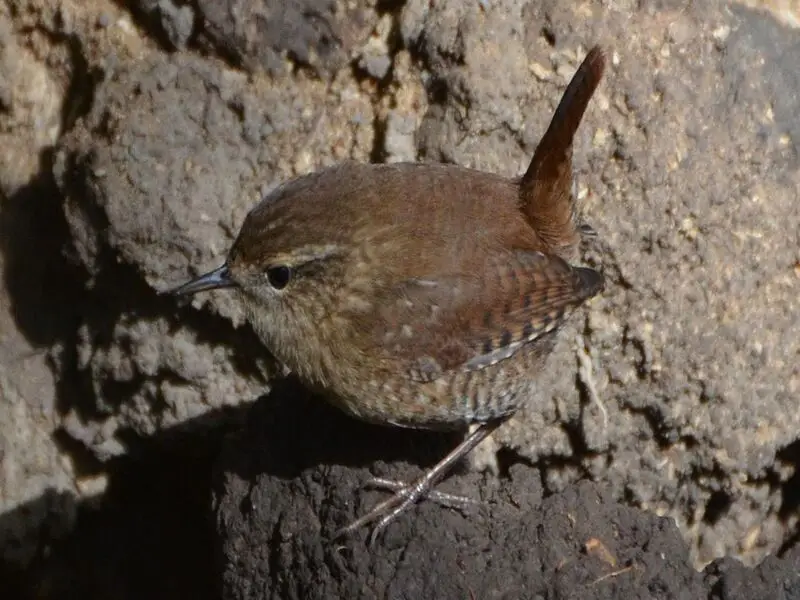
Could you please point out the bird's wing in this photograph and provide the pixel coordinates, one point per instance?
(470, 321)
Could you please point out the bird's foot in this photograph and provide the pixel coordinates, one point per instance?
(405, 495)
(454, 501)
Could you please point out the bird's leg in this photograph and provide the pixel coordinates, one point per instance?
(408, 494)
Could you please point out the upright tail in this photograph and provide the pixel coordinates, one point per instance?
(546, 188)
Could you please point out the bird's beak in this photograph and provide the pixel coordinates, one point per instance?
(216, 279)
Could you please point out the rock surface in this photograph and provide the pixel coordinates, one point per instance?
(134, 144)
(275, 34)
(277, 502)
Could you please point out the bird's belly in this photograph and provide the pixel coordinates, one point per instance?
(454, 401)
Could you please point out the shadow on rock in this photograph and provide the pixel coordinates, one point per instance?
(148, 536)
(45, 289)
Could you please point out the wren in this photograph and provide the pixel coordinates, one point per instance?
(419, 295)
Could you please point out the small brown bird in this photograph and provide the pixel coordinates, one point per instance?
(419, 295)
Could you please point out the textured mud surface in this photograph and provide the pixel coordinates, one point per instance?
(276, 503)
(136, 137)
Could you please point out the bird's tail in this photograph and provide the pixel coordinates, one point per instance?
(546, 188)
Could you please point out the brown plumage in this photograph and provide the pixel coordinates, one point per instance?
(419, 295)
(546, 187)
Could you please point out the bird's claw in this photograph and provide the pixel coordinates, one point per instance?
(404, 496)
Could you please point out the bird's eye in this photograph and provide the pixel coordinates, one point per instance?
(279, 276)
